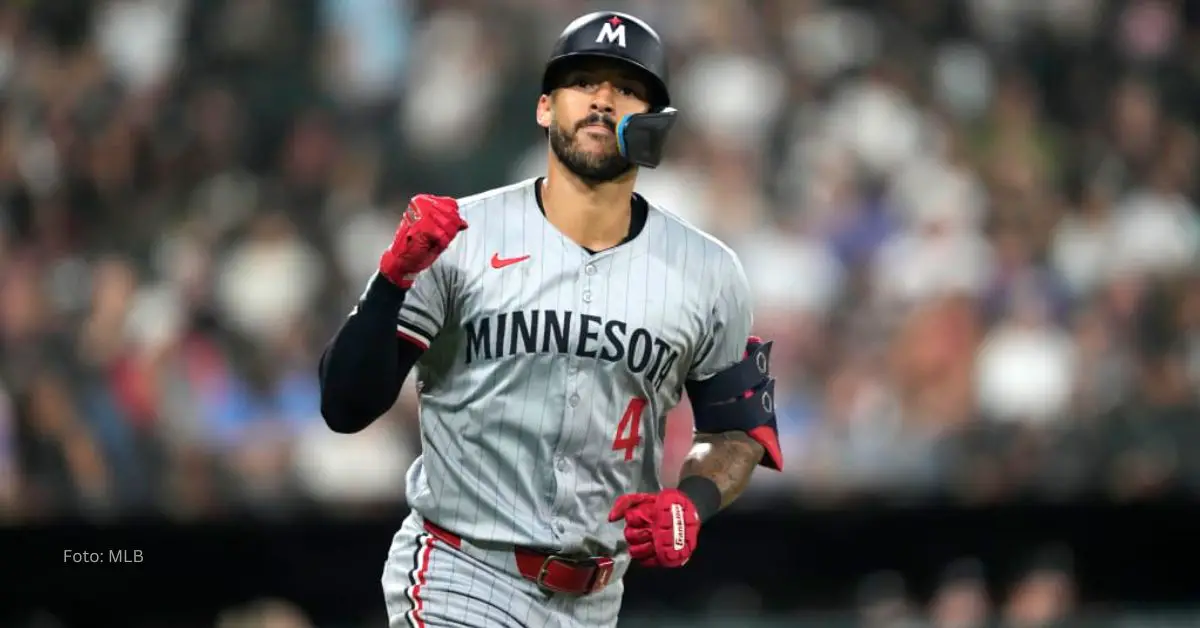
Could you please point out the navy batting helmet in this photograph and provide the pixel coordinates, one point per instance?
(629, 40)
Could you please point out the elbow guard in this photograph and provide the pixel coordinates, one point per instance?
(741, 398)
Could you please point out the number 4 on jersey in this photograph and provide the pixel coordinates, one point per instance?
(629, 429)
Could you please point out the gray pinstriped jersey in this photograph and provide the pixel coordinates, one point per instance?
(546, 383)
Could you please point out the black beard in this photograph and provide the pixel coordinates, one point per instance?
(592, 169)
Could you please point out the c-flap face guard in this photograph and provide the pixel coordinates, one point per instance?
(641, 137)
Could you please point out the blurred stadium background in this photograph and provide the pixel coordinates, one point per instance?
(970, 225)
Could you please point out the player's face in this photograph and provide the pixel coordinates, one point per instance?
(582, 118)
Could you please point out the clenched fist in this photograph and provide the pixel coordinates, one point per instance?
(661, 528)
(429, 225)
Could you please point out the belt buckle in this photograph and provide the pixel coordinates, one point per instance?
(545, 570)
(602, 569)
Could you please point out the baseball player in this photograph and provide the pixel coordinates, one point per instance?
(553, 323)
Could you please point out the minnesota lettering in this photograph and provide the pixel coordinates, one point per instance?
(584, 335)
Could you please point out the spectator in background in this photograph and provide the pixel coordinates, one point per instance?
(364, 469)
(1146, 435)
(961, 600)
(1026, 365)
(1043, 596)
(883, 602)
(67, 474)
(140, 40)
(366, 52)
(1081, 252)
(266, 613)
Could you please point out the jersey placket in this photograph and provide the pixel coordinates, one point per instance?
(566, 479)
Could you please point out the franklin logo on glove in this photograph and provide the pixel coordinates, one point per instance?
(680, 527)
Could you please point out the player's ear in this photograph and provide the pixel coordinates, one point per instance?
(544, 114)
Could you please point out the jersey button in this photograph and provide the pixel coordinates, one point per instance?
(573, 400)
(587, 296)
(590, 269)
(563, 464)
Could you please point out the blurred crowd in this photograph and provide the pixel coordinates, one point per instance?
(1041, 594)
(969, 225)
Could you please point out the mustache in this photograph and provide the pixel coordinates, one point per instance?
(598, 118)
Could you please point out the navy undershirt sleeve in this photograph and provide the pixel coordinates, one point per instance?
(365, 364)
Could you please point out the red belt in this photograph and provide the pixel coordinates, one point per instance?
(552, 572)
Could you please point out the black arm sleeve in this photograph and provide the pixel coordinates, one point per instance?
(364, 366)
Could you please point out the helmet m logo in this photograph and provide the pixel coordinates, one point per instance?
(613, 31)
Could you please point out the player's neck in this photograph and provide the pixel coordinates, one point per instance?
(594, 217)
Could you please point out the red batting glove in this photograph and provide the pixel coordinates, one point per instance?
(661, 528)
(429, 225)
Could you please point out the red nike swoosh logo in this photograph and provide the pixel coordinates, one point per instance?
(498, 262)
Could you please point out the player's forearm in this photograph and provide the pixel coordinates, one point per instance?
(364, 366)
(723, 462)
